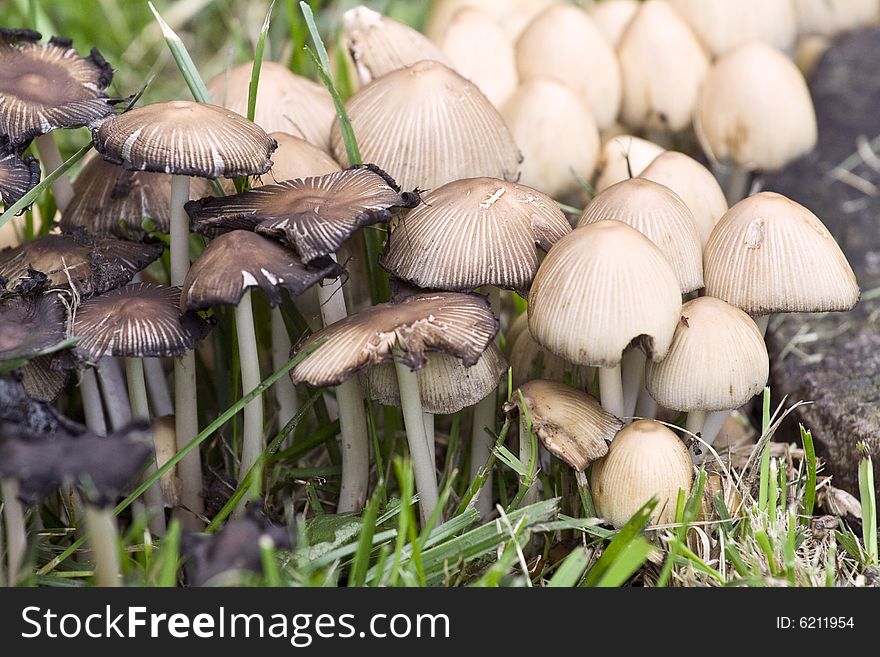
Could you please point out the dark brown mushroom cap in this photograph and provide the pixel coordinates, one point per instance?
(30, 324)
(569, 423)
(314, 215)
(185, 138)
(140, 320)
(44, 377)
(93, 264)
(18, 176)
(46, 87)
(239, 260)
(110, 199)
(459, 324)
(20, 412)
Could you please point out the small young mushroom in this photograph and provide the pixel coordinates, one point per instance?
(613, 16)
(296, 158)
(623, 157)
(18, 176)
(530, 360)
(830, 17)
(511, 15)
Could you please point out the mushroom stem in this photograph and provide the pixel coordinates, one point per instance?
(104, 538)
(482, 444)
(423, 463)
(285, 392)
(611, 390)
(632, 368)
(762, 323)
(114, 391)
(62, 190)
(428, 419)
(646, 406)
(16, 531)
(252, 434)
(140, 408)
(526, 456)
(157, 385)
(734, 180)
(91, 400)
(708, 426)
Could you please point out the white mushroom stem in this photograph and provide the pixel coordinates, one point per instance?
(114, 392)
(50, 156)
(646, 406)
(352, 416)
(285, 392)
(140, 409)
(429, 432)
(632, 368)
(413, 420)
(734, 180)
(708, 426)
(482, 444)
(762, 323)
(157, 386)
(611, 390)
(252, 434)
(526, 456)
(104, 537)
(91, 400)
(16, 531)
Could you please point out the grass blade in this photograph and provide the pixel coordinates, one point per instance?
(184, 62)
(170, 556)
(258, 63)
(571, 569)
(620, 543)
(809, 502)
(869, 505)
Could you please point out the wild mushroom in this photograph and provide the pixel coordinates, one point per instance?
(296, 158)
(623, 157)
(30, 326)
(830, 17)
(511, 15)
(530, 360)
(613, 16)
(18, 175)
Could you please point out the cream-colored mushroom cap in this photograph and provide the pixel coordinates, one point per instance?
(658, 213)
(722, 25)
(613, 16)
(563, 43)
(426, 126)
(511, 15)
(481, 52)
(474, 232)
(530, 360)
(601, 287)
(379, 45)
(829, 17)
(769, 254)
(645, 460)
(569, 423)
(623, 155)
(662, 65)
(694, 184)
(755, 109)
(295, 158)
(557, 135)
(717, 361)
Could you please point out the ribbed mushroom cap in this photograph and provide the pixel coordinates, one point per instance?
(18, 176)
(379, 45)
(46, 87)
(44, 377)
(110, 199)
(662, 65)
(474, 232)
(722, 25)
(559, 43)
(755, 109)
(480, 51)
(769, 254)
(93, 264)
(426, 126)
(658, 213)
(717, 361)
(234, 262)
(601, 287)
(141, 320)
(315, 215)
(620, 150)
(459, 324)
(286, 102)
(185, 138)
(511, 15)
(569, 423)
(519, 324)
(694, 184)
(613, 16)
(445, 384)
(830, 17)
(529, 360)
(557, 135)
(296, 158)
(645, 460)
(30, 324)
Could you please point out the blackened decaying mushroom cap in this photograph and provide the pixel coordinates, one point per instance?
(236, 261)
(140, 320)
(30, 324)
(18, 176)
(185, 138)
(314, 215)
(93, 264)
(20, 412)
(46, 87)
(460, 324)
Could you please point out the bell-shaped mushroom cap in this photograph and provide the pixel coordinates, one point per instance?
(110, 199)
(755, 109)
(624, 157)
(315, 215)
(379, 45)
(557, 44)
(18, 176)
(140, 320)
(769, 254)
(234, 262)
(569, 423)
(445, 384)
(426, 126)
(185, 138)
(530, 360)
(44, 377)
(480, 51)
(613, 16)
(29, 325)
(662, 65)
(723, 25)
(601, 287)
(511, 15)
(519, 324)
(830, 17)
(92, 264)
(694, 184)
(658, 213)
(557, 135)
(645, 460)
(286, 102)
(296, 158)
(46, 87)
(474, 232)
(459, 324)
(717, 361)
